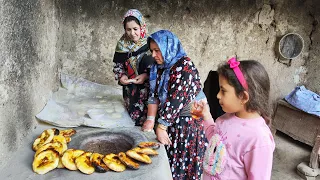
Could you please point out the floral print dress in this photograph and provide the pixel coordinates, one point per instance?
(186, 133)
(135, 96)
(132, 59)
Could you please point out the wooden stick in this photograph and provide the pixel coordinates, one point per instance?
(314, 157)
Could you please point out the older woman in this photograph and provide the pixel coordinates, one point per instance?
(174, 84)
(132, 64)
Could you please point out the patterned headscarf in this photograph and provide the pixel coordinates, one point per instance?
(125, 45)
(172, 51)
(137, 14)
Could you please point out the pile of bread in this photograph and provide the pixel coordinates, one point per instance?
(51, 152)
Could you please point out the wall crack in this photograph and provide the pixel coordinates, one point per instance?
(313, 29)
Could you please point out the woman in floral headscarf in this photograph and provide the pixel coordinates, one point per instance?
(131, 65)
(174, 84)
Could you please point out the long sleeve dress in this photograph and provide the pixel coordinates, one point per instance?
(186, 133)
(135, 95)
(241, 149)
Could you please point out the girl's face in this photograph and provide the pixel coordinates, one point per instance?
(156, 53)
(133, 31)
(228, 99)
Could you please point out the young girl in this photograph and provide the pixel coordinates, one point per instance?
(240, 142)
(131, 64)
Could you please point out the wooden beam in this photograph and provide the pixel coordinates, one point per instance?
(314, 157)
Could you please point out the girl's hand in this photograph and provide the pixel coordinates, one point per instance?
(141, 78)
(201, 109)
(124, 80)
(148, 125)
(163, 136)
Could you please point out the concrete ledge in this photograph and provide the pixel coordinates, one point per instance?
(20, 165)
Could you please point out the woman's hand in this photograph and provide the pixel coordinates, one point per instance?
(124, 80)
(151, 116)
(201, 109)
(163, 136)
(141, 78)
(148, 125)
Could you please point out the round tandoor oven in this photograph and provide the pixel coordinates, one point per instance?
(106, 141)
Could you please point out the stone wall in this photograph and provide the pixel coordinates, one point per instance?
(40, 39)
(28, 68)
(312, 61)
(211, 31)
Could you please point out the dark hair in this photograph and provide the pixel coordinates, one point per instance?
(258, 86)
(128, 19)
(150, 40)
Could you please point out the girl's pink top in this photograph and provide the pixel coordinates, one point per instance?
(249, 146)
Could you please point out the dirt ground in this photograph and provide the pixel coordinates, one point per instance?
(288, 154)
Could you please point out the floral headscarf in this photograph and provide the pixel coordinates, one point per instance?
(125, 45)
(172, 51)
(137, 14)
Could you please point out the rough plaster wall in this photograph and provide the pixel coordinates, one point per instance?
(28, 69)
(36, 36)
(304, 69)
(87, 37)
(312, 80)
(210, 31)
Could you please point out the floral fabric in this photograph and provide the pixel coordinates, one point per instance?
(186, 133)
(132, 59)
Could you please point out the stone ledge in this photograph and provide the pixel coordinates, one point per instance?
(20, 165)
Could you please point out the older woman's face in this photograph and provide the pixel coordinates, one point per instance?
(156, 53)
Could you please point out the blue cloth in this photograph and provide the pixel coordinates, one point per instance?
(305, 100)
(172, 51)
